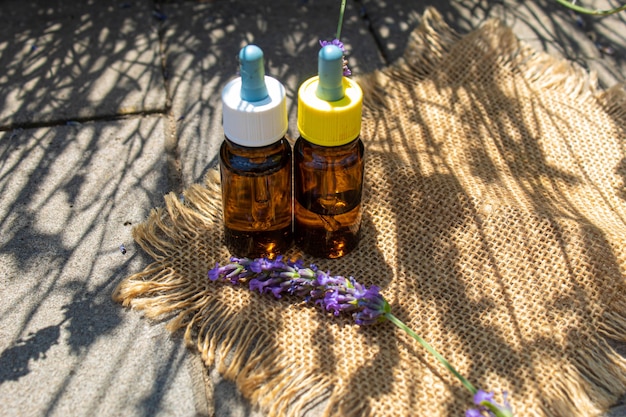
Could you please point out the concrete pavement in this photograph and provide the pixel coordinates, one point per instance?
(105, 106)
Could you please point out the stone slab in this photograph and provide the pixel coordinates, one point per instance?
(70, 197)
(201, 44)
(65, 60)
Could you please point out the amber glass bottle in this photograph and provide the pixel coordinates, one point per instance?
(328, 161)
(256, 195)
(255, 162)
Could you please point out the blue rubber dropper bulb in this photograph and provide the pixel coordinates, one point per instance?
(251, 67)
(330, 71)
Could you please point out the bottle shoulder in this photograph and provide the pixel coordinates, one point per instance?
(305, 150)
(255, 160)
(280, 145)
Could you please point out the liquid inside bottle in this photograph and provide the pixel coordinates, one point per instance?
(328, 189)
(256, 196)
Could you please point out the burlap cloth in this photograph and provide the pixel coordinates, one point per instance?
(495, 223)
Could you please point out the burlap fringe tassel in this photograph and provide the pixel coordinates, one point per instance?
(237, 348)
(223, 338)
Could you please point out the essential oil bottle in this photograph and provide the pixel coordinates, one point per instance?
(255, 162)
(328, 160)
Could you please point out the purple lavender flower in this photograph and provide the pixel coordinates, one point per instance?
(233, 271)
(486, 404)
(481, 396)
(335, 42)
(371, 303)
(346, 71)
(334, 293)
(473, 412)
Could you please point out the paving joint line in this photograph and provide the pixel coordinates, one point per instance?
(76, 121)
(368, 22)
(172, 144)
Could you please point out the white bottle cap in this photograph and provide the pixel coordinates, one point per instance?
(254, 106)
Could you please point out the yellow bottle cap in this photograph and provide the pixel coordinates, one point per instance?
(329, 123)
(329, 105)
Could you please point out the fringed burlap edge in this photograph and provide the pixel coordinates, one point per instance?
(223, 338)
(237, 347)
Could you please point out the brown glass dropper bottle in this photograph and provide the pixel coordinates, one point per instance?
(328, 160)
(255, 162)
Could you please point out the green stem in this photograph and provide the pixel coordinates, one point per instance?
(431, 350)
(341, 11)
(585, 10)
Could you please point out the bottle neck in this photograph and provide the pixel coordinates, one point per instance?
(354, 143)
(234, 146)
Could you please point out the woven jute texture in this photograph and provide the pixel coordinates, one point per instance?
(495, 224)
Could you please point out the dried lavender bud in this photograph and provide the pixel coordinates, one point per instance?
(336, 294)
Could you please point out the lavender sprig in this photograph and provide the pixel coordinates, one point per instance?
(338, 294)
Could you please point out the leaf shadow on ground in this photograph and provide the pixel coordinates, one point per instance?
(63, 208)
(594, 43)
(75, 176)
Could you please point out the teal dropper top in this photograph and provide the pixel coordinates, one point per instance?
(330, 71)
(251, 67)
